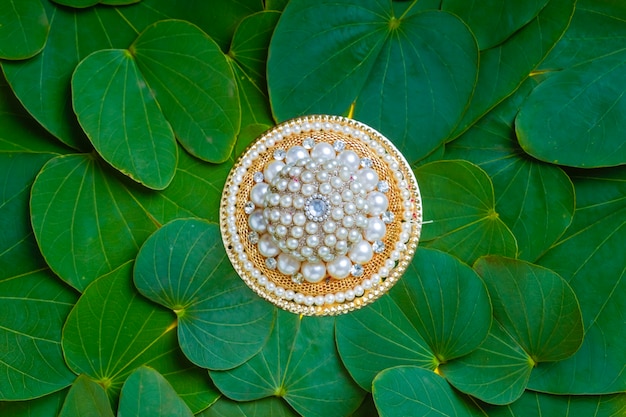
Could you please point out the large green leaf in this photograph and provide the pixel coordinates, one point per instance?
(23, 28)
(494, 21)
(460, 208)
(47, 406)
(86, 399)
(192, 384)
(271, 406)
(409, 76)
(504, 68)
(88, 3)
(300, 364)
(183, 266)
(117, 111)
(147, 393)
(497, 372)
(194, 85)
(535, 306)
(575, 117)
(590, 257)
(534, 199)
(33, 307)
(414, 391)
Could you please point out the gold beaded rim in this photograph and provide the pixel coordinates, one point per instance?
(380, 274)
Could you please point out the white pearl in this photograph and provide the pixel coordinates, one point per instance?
(330, 240)
(349, 159)
(286, 218)
(313, 271)
(287, 264)
(342, 233)
(323, 251)
(281, 230)
(329, 226)
(340, 297)
(280, 292)
(319, 300)
(307, 177)
(347, 195)
(299, 219)
(297, 232)
(312, 241)
(309, 300)
(341, 247)
(335, 199)
(308, 189)
(257, 222)
(368, 178)
(272, 199)
(323, 150)
(356, 187)
(295, 153)
(322, 176)
(325, 188)
(293, 186)
(267, 246)
(339, 268)
(286, 200)
(289, 294)
(292, 243)
(349, 208)
(375, 229)
(329, 298)
(311, 228)
(272, 169)
(337, 213)
(348, 221)
(354, 235)
(336, 182)
(298, 201)
(349, 295)
(298, 298)
(358, 290)
(361, 252)
(258, 192)
(377, 203)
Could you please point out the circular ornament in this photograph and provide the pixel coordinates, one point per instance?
(321, 215)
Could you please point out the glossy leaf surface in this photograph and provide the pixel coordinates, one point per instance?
(86, 398)
(271, 406)
(184, 267)
(23, 28)
(461, 207)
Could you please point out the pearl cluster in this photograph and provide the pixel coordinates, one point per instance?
(317, 211)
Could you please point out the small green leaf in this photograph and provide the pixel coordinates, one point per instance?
(119, 114)
(271, 406)
(496, 373)
(147, 393)
(194, 85)
(23, 28)
(183, 266)
(192, 384)
(77, 3)
(413, 391)
(459, 202)
(535, 306)
(300, 364)
(86, 399)
(575, 117)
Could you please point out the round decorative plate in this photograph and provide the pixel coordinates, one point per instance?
(321, 215)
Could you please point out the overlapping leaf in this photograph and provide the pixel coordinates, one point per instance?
(409, 76)
(461, 211)
(271, 406)
(23, 28)
(534, 199)
(89, 3)
(184, 267)
(86, 398)
(590, 257)
(300, 364)
(49, 405)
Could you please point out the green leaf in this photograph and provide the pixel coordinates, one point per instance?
(493, 21)
(410, 77)
(535, 306)
(47, 406)
(300, 364)
(119, 114)
(271, 406)
(147, 393)
(497, 372)
(504, 68)
(589, 257)
(184, 267)
(86, 399)
(575, 117)
(459, 201)
(535, 200)
(77, 3)
(194, 85)
(34, 307)
(23, 28)
(192, 384)
(414, 391)
(112, 330)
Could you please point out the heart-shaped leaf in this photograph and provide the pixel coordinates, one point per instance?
(535, 306)
(300, 364)
(23, 28)
(86, 398)
(46, 406)
(414, 391)
(409, 76)
(184, 267)
(147, 393)
(575, 117)
(271, 406)
(460, 206)
(590, 257)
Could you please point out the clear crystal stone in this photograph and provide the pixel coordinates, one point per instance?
(356, 270)
(280, 154)
(366, 162)
(378, 246)
(387, 217)
(317, 207)
(249, 207)
(271, 263)
(308, 143)
(297, 278)
(253, 237)
(383, 186)
(339, 145)
(258, 177)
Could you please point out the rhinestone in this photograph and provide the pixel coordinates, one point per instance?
(253, 237)
(271, 263)
(249, 207)
(280, 154)
(317, 208)
(339, 145)
(388, 217)
(356, 270)
(383, 186)
(366, 162)
(258, 177)
(308, 143)
(378, 246)
(297, 278)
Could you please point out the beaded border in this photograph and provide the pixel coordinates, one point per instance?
(371, 287)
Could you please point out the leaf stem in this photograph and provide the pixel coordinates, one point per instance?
(408, 9)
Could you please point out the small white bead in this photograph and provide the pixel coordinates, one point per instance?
(309, 300)
(323, 150)
(299, 298)
(339, 268)
(319, 300)
(329, 298)
(340, 297)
